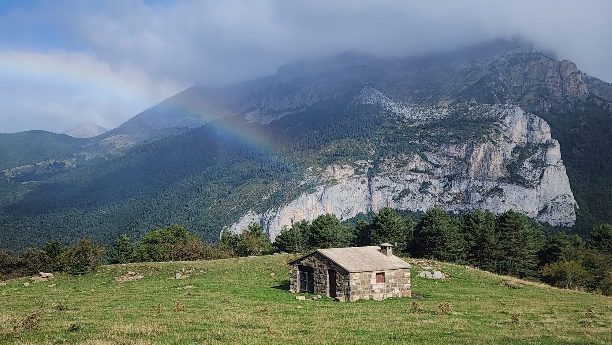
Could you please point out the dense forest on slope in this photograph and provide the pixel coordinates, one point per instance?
(194, 179)
(30, 147)
(585, 136)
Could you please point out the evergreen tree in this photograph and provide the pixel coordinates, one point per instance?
(361, 233)
(229, 241)
(121, 251)
(293, 239)
(481, 247)
(253, 241)
(600, 239)
(53, 249)
(562, 247)
(326, 232)
(519, 245)
(437, 236)
(388, 226)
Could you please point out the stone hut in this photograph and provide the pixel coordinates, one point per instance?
(351, 274)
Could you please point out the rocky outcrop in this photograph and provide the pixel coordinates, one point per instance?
(516, 166)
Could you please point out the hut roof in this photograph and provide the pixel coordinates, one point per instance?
(361, 259)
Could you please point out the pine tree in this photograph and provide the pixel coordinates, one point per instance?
(388, 226)
(481, 247)
(326, 232)
(293, 239)
(121, 251)
(361, 233)
(519, 243)
(437, 236)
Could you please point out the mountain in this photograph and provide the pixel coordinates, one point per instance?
(498, 126)
(88, 130)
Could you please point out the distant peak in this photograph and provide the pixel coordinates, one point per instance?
(87, 130)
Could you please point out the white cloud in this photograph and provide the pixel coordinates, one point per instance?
(161, 47)
(59, 90)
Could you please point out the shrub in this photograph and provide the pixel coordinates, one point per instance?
(170, 243)
(83, 257)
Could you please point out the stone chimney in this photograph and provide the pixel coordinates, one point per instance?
(385, 248)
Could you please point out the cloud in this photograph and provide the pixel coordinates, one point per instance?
(58, 90)
(159, 46)
(224, 41)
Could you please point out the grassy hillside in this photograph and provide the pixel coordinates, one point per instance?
(245, 300)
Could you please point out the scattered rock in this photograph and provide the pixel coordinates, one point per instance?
(432, 274)
(300, 298)
(437, 275)
(41, 277)
(130, 276)
(52, 285)
(26, 284)
(299, 307)
(38, 279)
(272, 274)
(185, 287)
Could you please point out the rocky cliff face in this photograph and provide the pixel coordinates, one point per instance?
(517, 165)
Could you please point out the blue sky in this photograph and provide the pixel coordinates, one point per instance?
(68, 62)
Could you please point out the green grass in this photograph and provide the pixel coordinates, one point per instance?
(240, 301)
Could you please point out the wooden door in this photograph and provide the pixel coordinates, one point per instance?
(331, 274)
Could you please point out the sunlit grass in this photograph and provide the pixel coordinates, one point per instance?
(246, 301)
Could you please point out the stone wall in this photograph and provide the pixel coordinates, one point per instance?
(363, 285)
(351, 286)
(321, 265)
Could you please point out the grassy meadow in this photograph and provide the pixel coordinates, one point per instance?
(245, 301)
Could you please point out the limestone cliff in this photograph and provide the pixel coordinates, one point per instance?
(516, 165)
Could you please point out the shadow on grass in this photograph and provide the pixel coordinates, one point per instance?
(284, 285)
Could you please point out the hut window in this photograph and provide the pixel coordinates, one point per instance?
(380, 277)
(306, 279)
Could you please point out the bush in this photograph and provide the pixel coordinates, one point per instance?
(83, 257)
(169, 244)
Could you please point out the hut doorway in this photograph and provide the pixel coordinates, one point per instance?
(332, 283)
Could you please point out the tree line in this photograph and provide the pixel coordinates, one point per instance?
(509, 243)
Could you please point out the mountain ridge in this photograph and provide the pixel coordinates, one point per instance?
(206, 157)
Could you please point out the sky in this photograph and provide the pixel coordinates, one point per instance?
(64, 63)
